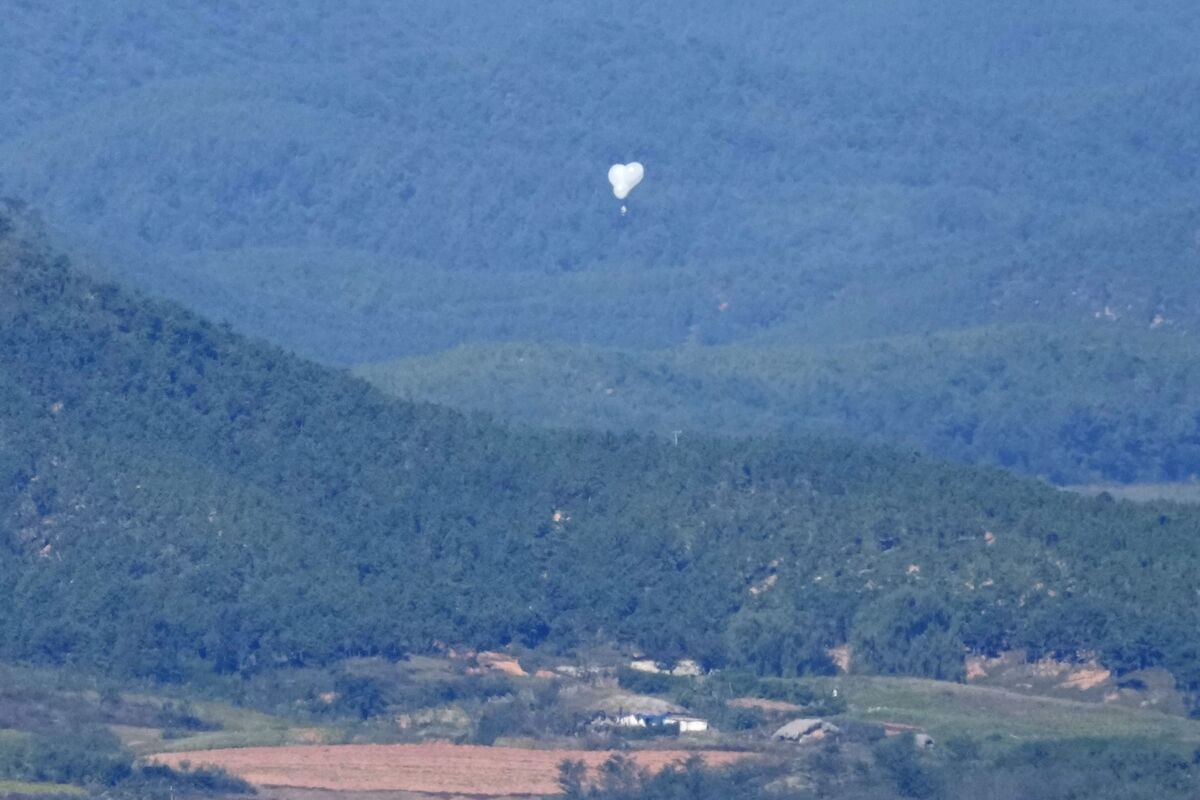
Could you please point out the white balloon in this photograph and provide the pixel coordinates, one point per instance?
(624, 177)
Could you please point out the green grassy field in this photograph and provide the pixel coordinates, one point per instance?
(240, 727)
(1188, 492)
(26, 789)
(946, 710)
(145, 720)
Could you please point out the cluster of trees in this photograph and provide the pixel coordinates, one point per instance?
(88, 755)
(1074, 407)
(827, 173)
(175, 498)
(893, 769)
(620, 778)
(54, 732)
(92, 757)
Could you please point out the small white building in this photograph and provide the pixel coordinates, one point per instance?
(688, 724)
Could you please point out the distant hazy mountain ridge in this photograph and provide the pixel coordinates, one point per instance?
(379, 179)
(1099, 404)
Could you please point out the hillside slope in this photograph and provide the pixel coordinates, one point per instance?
(1099, 405)
(175, 497)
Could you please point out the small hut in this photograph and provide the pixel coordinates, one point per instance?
(804, 730)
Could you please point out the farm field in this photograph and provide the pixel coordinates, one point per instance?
(38, 789)
(425, 768)
(946, 710)
(1185, 492)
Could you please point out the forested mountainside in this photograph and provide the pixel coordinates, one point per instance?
(175, 497)
(1097, 405)
(369, 180)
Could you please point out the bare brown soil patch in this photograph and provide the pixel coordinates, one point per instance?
(840, 656)
(501, 663)
(769, 706)
(426, 768)
(1086, 678)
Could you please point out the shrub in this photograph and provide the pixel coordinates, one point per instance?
(649, 682)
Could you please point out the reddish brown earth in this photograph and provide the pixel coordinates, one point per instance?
(425, 768)
(770, 706)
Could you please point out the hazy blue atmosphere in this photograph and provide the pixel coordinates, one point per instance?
(374, 181)
(344, 402)
(368, 180)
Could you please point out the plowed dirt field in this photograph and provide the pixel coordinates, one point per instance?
(425, 768)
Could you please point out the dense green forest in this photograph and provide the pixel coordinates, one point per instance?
(1094, 405)
(369, 180)
(175, 497)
